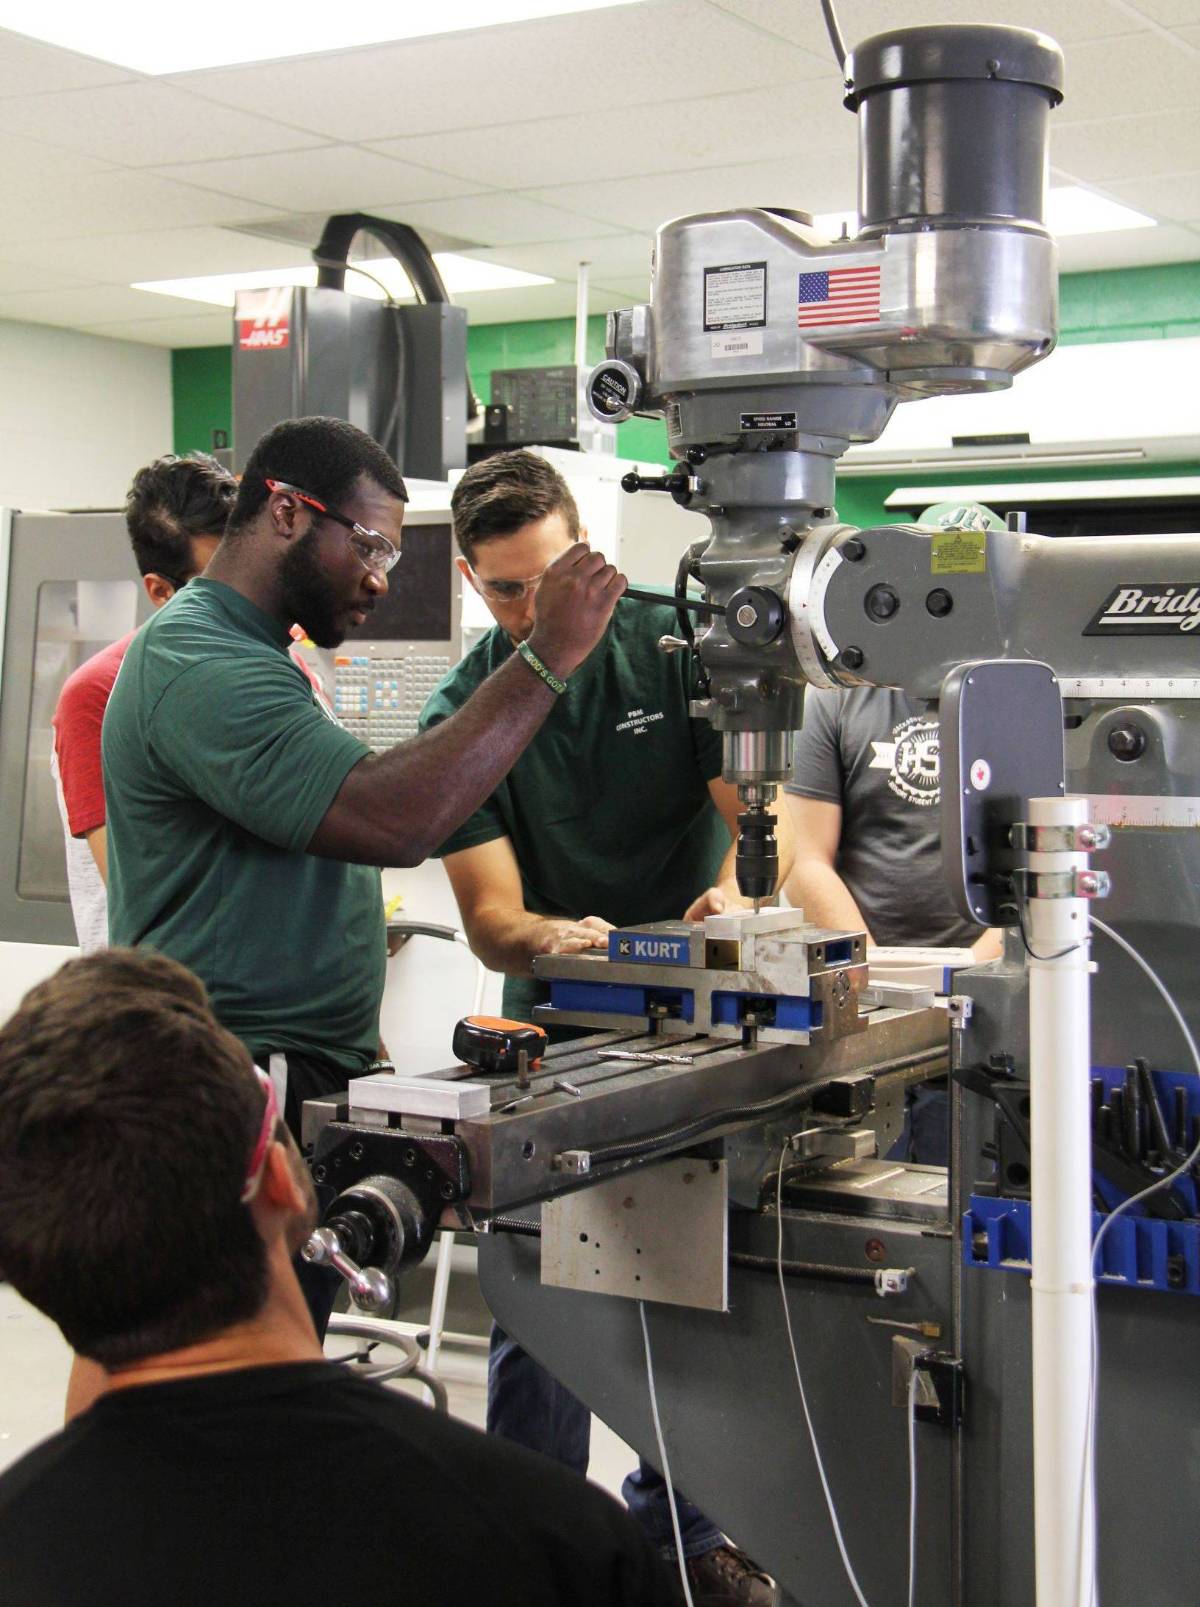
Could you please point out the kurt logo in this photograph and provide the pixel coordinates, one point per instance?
(1153, 609)
(652, 950)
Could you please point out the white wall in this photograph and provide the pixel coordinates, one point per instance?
(78, 414)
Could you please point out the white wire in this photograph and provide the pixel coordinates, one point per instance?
(1134, 1199)
(1194, 1156)
(812, 1435)
(662, 1456)
(912, 1488)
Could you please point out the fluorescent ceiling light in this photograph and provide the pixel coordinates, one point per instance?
(461, 275)
(153, 38)
(1073, 210)
(1070, 209)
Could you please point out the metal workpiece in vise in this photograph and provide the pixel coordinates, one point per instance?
(768, 350)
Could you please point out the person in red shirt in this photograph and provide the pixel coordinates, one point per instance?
(176, 512)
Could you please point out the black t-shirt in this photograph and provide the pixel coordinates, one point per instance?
(301, 1483)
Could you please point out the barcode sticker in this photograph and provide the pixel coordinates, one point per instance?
(739, 343)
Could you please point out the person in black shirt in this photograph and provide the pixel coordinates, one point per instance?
(151, 1201)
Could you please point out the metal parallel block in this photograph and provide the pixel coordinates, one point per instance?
(659, 1234)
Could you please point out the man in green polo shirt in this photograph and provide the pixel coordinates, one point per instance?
(245, 825)
(615, 813)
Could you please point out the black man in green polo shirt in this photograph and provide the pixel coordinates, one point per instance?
(615, 813)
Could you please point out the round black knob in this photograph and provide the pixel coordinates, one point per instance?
(852, 550)
(939, 602)
(881, 602)
(1127, 742)
(754, 616)
(852, 658)
(696, 455)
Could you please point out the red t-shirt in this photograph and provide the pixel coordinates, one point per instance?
(77, 722)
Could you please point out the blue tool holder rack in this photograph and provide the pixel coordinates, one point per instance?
(1138, 1251)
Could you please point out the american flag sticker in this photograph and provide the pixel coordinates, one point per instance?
(839, 296)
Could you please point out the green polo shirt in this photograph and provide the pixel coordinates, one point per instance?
(608, 808)
(219, 764)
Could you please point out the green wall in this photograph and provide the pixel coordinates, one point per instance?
(202, 380)
(1122, 304)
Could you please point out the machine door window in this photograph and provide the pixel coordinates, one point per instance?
(75, 618)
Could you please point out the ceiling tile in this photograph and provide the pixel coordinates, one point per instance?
(666, 50)
(29, 171)
(1190, 36)
(612, 255)
(156, 254)
(1134, 74)
(92, 304)
(1133, 248)
(1175, 197)
(646, 203)
(631, 291)
(120, 200)
(1066, 21)
(144, 123)
(1171, 13)
(32, 68)
(337, 178)
(497, 219)
(709, 131)
(1126, 147)
(206, 329)
(18, 276)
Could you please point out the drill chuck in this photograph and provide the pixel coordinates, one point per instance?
(757, 862)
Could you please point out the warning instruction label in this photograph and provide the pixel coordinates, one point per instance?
(735, 296)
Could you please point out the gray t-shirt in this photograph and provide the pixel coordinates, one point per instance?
(876, 753)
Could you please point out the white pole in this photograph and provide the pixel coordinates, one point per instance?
(581, 318)
(1061, 1206)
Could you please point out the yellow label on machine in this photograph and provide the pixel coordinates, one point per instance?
(958, 552)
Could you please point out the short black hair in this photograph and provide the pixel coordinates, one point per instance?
(499, 495)
(127, 1120)
(324, 456)
(170, 501)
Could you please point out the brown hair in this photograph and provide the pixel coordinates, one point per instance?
(497, 497)
(127, 1118)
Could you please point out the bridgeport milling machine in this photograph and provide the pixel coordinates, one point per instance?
(683, 1215)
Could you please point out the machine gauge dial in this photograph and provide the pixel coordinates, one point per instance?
(614, 390)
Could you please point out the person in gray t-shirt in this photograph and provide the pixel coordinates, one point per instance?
(864, 798)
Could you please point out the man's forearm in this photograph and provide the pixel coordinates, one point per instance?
(509, 940)
(820, 892)
(395, 808)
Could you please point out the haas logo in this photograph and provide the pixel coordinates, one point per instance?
(263, 318)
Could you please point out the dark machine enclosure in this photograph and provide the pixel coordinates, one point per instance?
(399, 373)
(1001, 744)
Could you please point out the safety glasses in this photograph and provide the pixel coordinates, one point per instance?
(258, 1157)
(374, 551)
(507, 591)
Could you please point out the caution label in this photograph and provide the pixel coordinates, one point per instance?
(958, 552)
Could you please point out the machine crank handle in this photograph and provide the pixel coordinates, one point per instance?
(370, 1288)
(713, 610)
